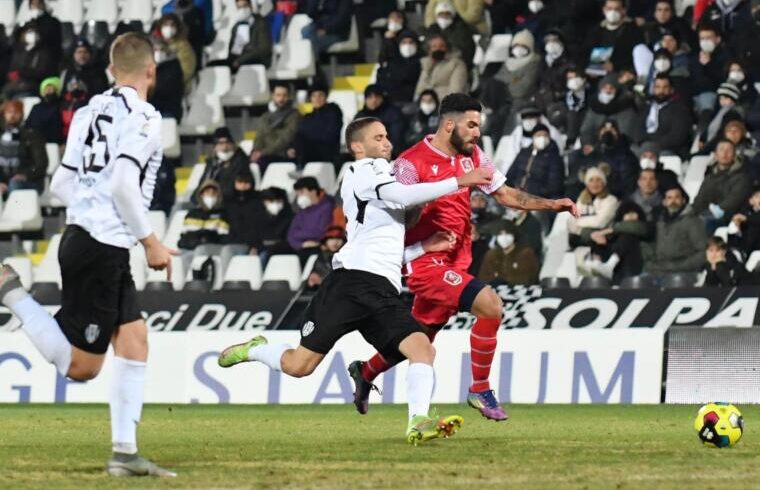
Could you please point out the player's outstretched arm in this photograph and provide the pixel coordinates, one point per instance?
(518, 199)
(414, 194)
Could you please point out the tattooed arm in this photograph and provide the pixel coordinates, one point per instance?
(518, 199)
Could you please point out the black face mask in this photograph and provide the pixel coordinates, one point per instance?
(438, 55)
(51, 98)
(608, 139)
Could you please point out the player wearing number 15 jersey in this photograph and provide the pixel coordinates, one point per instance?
(106, 181)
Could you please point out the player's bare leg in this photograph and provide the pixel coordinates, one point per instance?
(487, 307)
(130, 345)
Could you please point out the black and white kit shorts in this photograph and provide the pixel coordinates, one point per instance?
(98, 293)
(351, 300)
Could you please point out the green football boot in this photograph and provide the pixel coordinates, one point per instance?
(422, 428)
(235, 354)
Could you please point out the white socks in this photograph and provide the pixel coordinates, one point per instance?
(41, 328)
(420, 380)
(269, 354)
(126, 401)
(607, 269)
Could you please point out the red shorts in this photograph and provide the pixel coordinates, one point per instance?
(437, 287)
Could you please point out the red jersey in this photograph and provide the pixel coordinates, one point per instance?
(425, 163)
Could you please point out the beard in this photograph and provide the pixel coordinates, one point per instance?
(459, 144)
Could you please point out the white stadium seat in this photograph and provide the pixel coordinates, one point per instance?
(178, 274)
(205, 116)
(21, 212)
(277, 175)
(174, 229)
(308, 267)
(284, 268)
(157, 223)
(170, 138)
(339, 180)
(498, 49)
(672, 162)
(141, 10)
(691, 188)
(215, 80)
(105, 10)
(256, 171)
(196, 174)
(722, 233)
(753, 260)
(48, 269)
(250, 87)
(246, 146)
(244, 268)
(295, 62)
(24, 268)
(8, 15)
(350, 45)
(697, 168)
(29, 103)
(70, 11)
(54, 157)
(324, 172)
(295, 26)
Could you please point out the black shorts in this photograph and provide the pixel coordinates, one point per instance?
(98, 292)
(351, 300)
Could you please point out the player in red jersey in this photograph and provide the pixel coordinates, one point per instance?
(439, 280)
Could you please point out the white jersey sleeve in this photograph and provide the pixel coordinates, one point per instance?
(370, 177)
(139, 138)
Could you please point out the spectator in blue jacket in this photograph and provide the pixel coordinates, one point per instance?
(314, 216)
(332, 22)
(538, 168)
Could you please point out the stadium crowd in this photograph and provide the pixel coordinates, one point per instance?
(590, 100)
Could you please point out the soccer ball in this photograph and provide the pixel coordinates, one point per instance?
(719, 424)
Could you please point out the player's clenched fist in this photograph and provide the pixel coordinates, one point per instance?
(479, 176)
(440, 241)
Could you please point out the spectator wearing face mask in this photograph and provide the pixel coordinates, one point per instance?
(611, 103)
(276, 130)
(744, 228)
(666, 21)
(596, 208)
(520, 73)
(706, 68)
(569, 110)
(668, 120)
(31, 63)
(204, 230)
(522, 135)
(539, 169)
(553, 69)
(647, 195)
(314, 216)
(396, 25)
(378, 105)
(679, 76)
(649, 159)
(272, 223)
(242, 207)
(442, 71)
(721, 268)
(736, 74)
(538, 17)
(725, 188)
(457, 33)
(399, 74)
(171, 30)
(508, 262)
(45, 116)
(197, 18)
(225, 163)
(609, 45)
(23, 160)
(425, 119)
(332, 241)
(46, 25)
(470, 11)
(732, 18)
(84, 73)
(250, 39)
(726, 110)
(169, 90)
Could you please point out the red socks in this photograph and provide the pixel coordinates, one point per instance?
(483, 347)
(377, 365)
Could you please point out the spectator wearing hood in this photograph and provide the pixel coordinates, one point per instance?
(744, 228)
(680, 237)
(225, 163)
(376, 104)
(399, 74)
(613, 153)
(596, 208)
(611, 42)
(169, 90)
(332, 241)
(276, 130)
(725, 189)
(610, 103)
(314, 216)
(680, 53)
(553, 69)
(539, 169)
(318, 135)
(48, 27)
(732, 18)
(172, 31)
(23, 160)
(242, 207)
(442, 70)
(83, 73)
(207, 223)
(271, 224)
(196, 17)
(520, 71)
(667, 121)
(470, 11)
(458, 33)
(509, 262)
(649, 159)
(45, 116)
(706, 68)
(425, 119)
(666, 21)
(250, 39)
(31, 63)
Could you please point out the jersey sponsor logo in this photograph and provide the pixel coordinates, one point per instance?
(451, 277)
(308, 327)
(435, 169)
(91, 333)
(467, 164)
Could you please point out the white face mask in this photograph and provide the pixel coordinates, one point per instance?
(443, 22)
(606, 97)
(661, 65)
(541, 142)
(395, 26)
(553, 48)
(529, 124)
(34, 13)
(223, 156)
(736, 76)
(168, 32)
(209, 201)
(613, 17)
(159, 57)
(707, 45)
(575, 84)
(303, 201)
(647, 164)
(273, 207)
(30, 38)
(427, 108)
(271, 106)
(244, 13)
(407, 50)
(505, 240)
(520, 52)
(535, 6)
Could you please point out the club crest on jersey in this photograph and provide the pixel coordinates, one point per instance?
(466, 164)
(451, 277)
(435, 169)
(308, 327)
(91, 333)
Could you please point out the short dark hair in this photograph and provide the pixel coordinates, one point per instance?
(725, 140)
(716, 241)
(664, 76)
(284, 85)
(356, 127)
(458, 102)
(308, 183)
(708, 26)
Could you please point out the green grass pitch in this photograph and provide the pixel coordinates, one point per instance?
(329, 447)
